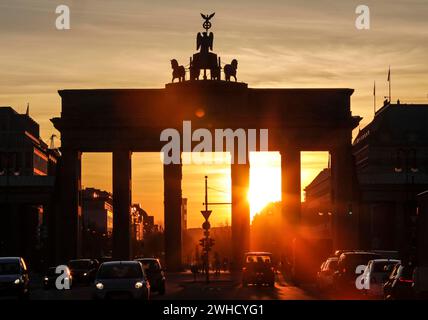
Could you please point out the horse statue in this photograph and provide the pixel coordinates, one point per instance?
(178, 72)
(230, 70)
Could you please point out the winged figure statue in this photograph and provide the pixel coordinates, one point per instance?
(204, 41)
(207, 17)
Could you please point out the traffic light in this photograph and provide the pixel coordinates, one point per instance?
(202, 242)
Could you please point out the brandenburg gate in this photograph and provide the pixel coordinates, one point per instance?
(123, 121)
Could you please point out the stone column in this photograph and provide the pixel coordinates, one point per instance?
(240, 174)
(68, 213)
(291, 186)
(345, 215)
(172, 175)
(122, 204)
(291, 209)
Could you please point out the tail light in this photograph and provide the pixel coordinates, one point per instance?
(401, 279)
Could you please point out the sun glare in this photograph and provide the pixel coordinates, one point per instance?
(265, 176)
(265, 180)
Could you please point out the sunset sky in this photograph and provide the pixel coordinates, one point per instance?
(129, 43)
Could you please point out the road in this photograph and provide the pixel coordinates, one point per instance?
(183, 287)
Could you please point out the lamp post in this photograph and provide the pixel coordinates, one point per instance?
(206, 242)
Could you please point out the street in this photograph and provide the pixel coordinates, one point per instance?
(181, 286)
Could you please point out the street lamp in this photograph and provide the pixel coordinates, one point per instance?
(206, 242)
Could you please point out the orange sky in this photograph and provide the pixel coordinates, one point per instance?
(129, 43)
(147, 185)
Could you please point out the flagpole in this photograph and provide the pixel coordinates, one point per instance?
(389, 80)
(374, 97)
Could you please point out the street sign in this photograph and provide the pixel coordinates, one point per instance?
(206, 213)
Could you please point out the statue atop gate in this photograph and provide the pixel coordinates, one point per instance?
(205, 59)
(204, 40)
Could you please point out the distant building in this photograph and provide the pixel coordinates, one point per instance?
(145, 224)
(27, 179)
(317, 209)
(391, 157)
(318, 193)
(97, 210)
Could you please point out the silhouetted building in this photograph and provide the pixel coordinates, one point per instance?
(391, 156)
(97, 210)
(317, 210)
(27, 169)
(146, 222)
(97, 222)
(22, 151)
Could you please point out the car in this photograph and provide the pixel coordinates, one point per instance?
(337, 253)
(376, 274)
(83, 270)
(399, 285)
(105, 259)
(155, 274)
(50, 277)
(346, 276)
(121, 279)
(326, 273)
(14, 278)
(258, 269)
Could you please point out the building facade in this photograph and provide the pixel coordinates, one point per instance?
(391, 166)
(391, 159)
(27, 179)
(97, 210)
(318, 207)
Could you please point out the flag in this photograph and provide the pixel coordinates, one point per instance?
(389, 74)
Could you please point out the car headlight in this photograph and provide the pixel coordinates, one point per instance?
(17, 281)
(46, 279)
(138, 285)
(85, 274)
(99, 286)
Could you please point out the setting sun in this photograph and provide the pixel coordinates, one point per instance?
(265, 180)
(265, 176)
